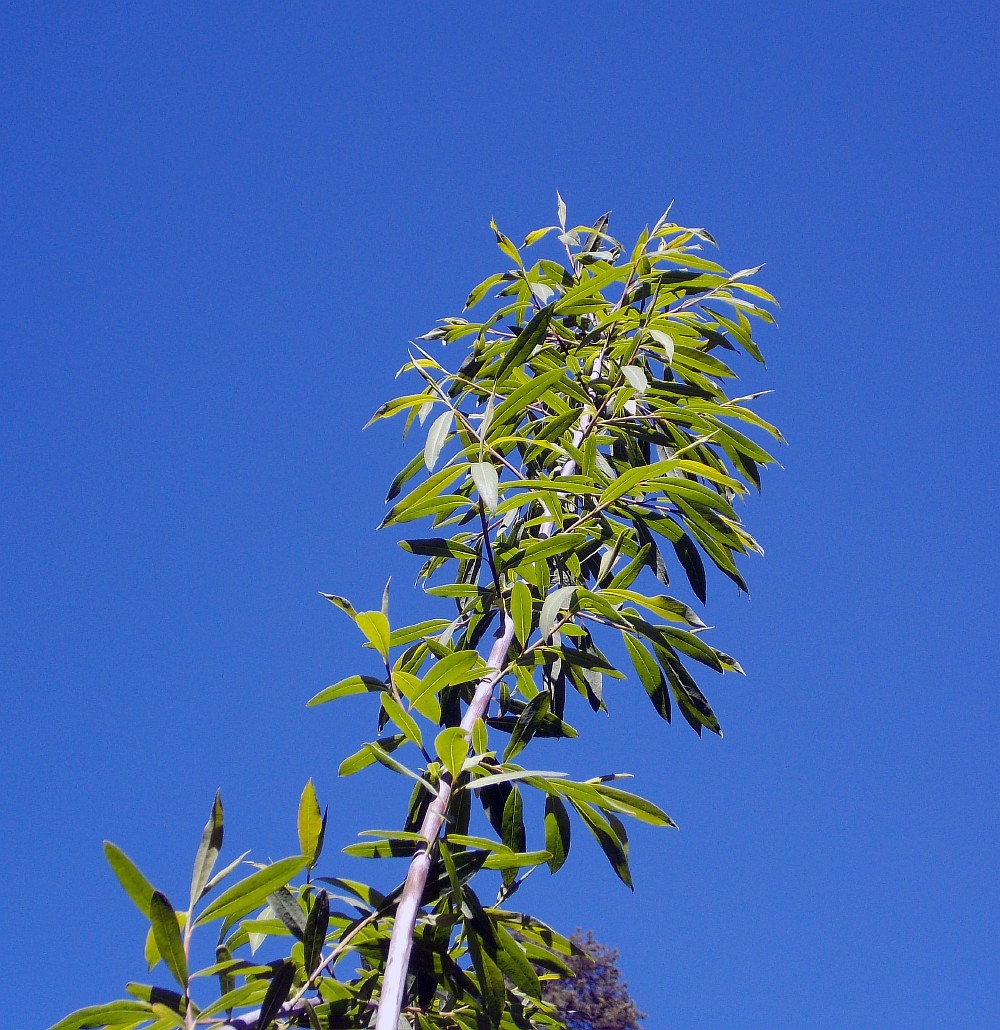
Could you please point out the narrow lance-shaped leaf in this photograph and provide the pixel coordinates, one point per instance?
(525, 342)
(520, 610)
(114, 1013)
(249, 892)
(167, 933)
(311, 824)
(317, 923)
(208, 851)
(277, 995)
(286, 907)
(436, 437)
(484, 475)
(557, 832)
(402, 719)
(136, 886)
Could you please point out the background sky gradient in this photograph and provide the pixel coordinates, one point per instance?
(221, 225)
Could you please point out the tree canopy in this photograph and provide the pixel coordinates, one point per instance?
(595, 997)
(581, 457)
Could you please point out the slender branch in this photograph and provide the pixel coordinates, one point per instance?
(297, 1005)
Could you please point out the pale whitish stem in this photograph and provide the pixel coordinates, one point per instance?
(398, 961)
(401, 941)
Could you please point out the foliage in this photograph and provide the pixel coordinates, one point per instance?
(583, 447)
(595, 998)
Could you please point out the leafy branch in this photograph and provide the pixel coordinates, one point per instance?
(586, 425)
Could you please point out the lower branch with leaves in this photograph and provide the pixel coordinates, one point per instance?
(586, 429)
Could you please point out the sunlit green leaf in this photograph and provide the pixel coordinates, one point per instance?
(252, 890)
(346, 687)
(311, 824)
(402, 719)
(111, 1014)
(136, 886)
(451, 746)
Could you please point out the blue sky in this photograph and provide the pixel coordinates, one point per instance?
(223, 223)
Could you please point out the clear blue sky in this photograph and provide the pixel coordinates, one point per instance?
(221, 225)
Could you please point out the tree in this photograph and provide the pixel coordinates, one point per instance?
(586, 426)
(595, 998)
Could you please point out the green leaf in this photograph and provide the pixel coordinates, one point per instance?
(438, 547)
(346, 687)
(158, 996)
(167, 934)
(114, 1013)
(488, 974)
(223, 873)
(430, 488)
(506, 245)
(558, 543)
(437, 435)
(452, 746)
(317, 924)
(513, 835)
(557, 832)
(402, 719)
(533, 715)
(510, 411)
(514, 963)
(502, 858)
(420, 696)
(666, 342)
(630, 481)
(136, 886)
(521, 610)
(650, 676)
(482, 289)
(252, 890)
(285, 906)
(694, 568)
(457, 667)
(515, 774)
(249, 994)
(554, 603)
(383, 848)
(525, 342)
(605, 836)
(692, 702)
(311, 824)
(480, 738)
(363, 758)
(208, 851)
(277, 994)
(484, 475)
(375, 627)
(636, 378)
(635, 806)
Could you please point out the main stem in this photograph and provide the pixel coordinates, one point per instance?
(398, 961)
(401, 941)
